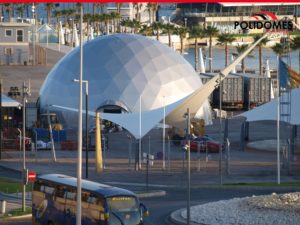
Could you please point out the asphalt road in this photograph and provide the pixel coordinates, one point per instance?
(161, 207)
(8, 173)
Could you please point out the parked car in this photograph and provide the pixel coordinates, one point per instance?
(43, 145)
(204, 142)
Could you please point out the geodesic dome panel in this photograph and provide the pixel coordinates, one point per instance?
(131, 69)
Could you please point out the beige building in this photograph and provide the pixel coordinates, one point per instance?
(14, 43)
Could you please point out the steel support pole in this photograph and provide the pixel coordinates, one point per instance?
(188, 213)
(0, 119)
(86, 131)
(220, 132)
(79, 156)
(164, 136)
(24, 148)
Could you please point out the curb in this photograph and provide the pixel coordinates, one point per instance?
(17, 217)
(9, 168)
(151, 194)
(176, 218)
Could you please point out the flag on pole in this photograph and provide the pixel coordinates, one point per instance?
(288, 78)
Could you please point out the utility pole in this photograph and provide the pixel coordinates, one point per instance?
(188, 131)
(33, 35)
(26, 92)
(220, 132)
(0, 119)
(79, 155)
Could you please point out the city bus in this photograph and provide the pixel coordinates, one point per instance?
(54, 203)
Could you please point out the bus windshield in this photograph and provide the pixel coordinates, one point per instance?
(124, 210)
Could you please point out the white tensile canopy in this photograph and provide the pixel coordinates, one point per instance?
(9, 102)
(174, 113)
(268, 111)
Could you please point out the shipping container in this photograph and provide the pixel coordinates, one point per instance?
(232, 92)
(258, 91)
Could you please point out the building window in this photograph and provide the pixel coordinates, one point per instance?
(20, 35)
(8, 33)
(8, 51)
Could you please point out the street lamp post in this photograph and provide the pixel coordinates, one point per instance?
(33, 34)
(0, 119)
(79, 156)
(185, 22)
(164, 135)
(188, 131)
(86, 126)
(26, 92)
(221, 139)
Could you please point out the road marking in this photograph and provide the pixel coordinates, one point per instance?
(139, 184)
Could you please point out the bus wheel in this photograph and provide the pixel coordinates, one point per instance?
(50, 223)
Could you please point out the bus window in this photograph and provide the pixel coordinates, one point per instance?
(122, 203)
(123, 210)
(95, 207)
(70, 207)
(70, 195)
(47, 190)
(60, 191)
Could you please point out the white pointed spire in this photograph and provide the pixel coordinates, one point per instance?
(61, 34)
(234, 69)
(201, 61)
(75, 36)
(268, 74)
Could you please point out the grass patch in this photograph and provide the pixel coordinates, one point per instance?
(265, 184)
(12, 186)
(17, 212)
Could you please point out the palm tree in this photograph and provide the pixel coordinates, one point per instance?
(260, 45)
(152, 9)
(146, 30)
(240, 49)
(136, 25)
(157, 27)
(149, 10)
(295, 45)
(113, 18)
(169, 29)
(57, 14)
(181, 31)
(20, 10)
(87, 18)
(226, 39)
(279, 49)
(49, 9)
(137, 6)
(98, 5)
(119, 6)
(195, 33)
(210, 32)
(155, 7)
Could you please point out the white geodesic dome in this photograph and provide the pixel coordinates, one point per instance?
(129, 71)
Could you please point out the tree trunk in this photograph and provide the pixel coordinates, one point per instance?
(169, 36)
(157, 34)
(150, 21)
(181, 45)
(226, 54)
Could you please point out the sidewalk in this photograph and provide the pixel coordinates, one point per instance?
(14, 201)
